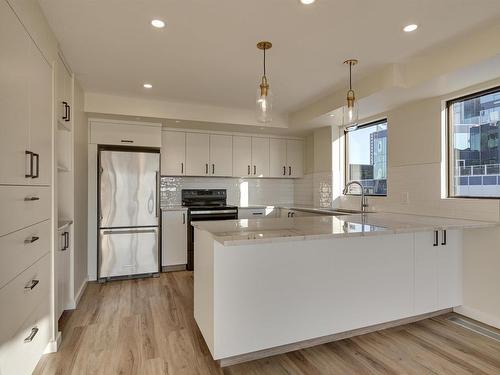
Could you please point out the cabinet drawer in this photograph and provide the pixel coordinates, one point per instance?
(125, 134)
(18, 356)
(19, 250)
(20, 297)
(23, 206)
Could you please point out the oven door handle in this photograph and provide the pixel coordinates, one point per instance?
(209, 212)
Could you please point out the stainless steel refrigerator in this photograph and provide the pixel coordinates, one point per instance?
(128, 213)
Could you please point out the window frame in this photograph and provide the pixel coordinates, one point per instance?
(449, 142)
(346, 151)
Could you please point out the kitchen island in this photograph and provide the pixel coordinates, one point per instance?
(267, 286)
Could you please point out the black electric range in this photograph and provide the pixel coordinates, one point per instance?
(204, 205)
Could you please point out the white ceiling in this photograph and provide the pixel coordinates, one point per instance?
(206, 54)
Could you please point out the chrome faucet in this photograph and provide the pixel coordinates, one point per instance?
(364, 202)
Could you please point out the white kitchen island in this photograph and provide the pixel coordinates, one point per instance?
(267, 286)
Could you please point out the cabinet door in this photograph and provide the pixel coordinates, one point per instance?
(174, 238)
(426, 273)
(260, 157)
(221, 150)
(108, 133)
(173, 153)
(40, 113)
(450, 269)
(197, 154)
(62, 260)
(14, 114)
(242, 156)
(277, 158)
(295, 158)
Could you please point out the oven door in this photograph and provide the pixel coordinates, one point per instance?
(199, 215)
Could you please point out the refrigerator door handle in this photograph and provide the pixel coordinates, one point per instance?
(157, 194)
(129, 230)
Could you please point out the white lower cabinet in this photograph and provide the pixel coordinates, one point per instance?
(174, 238)
(438, 270)
(62, 262)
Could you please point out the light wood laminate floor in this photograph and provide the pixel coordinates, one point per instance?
(146, 326)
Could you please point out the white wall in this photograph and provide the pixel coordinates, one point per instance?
(80, 190)
(417, 169)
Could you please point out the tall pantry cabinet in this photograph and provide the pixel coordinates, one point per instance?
(26, 162)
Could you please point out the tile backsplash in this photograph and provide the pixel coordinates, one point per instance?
(240, 191)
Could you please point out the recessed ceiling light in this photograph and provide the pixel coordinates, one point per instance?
(148, 85)
(177, 121)
(158, 24)
(307, 2)
(332, 115)
(410, 28)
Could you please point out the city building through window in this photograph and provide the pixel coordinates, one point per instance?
(366, 157)
(474, 155)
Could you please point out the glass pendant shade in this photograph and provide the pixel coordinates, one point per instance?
(264, 105)
(351, 110)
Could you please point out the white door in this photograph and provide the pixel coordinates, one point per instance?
(426, 272)
(14, 114)
(242, 156)
(173, 153)
(277, 158)
(260, 157)
(173, 238)
(295, 158)
(40, 113)
(221, 151)
(450, 269)
(197, 154)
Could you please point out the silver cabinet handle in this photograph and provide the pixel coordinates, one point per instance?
(249, 170)
(289, 171)
(31, 336)
(182, 168)
(284, 171)
(32, 239)
(444, 238)
(254, 169)
(127, 141)
(213, 168)
(183, 218)
(65, 116)
(436, 238)
(206, 168)
(30, 199)
(32, 284)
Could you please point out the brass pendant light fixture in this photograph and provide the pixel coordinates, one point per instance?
(264, 104)
(351, 109)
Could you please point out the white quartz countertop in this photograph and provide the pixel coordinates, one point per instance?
(244, 231)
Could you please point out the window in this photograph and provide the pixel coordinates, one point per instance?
(474, 156)
(366, 157)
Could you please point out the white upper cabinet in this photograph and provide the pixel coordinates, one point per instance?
(197, 154)
(295, 158)
(260, 157)
(173, 153)
(242, 156)
(221, 155)
(25, 118)
(277, 158)
(125, 134)
(221, 150)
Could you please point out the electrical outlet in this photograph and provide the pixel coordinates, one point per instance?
(405, 197)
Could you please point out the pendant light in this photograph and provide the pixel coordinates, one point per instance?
(264, 104)
(351, 109)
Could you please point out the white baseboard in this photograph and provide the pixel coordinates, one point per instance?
(478, 315)
(53, 346)
(80, 292)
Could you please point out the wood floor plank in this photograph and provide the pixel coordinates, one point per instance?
(146, 327)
